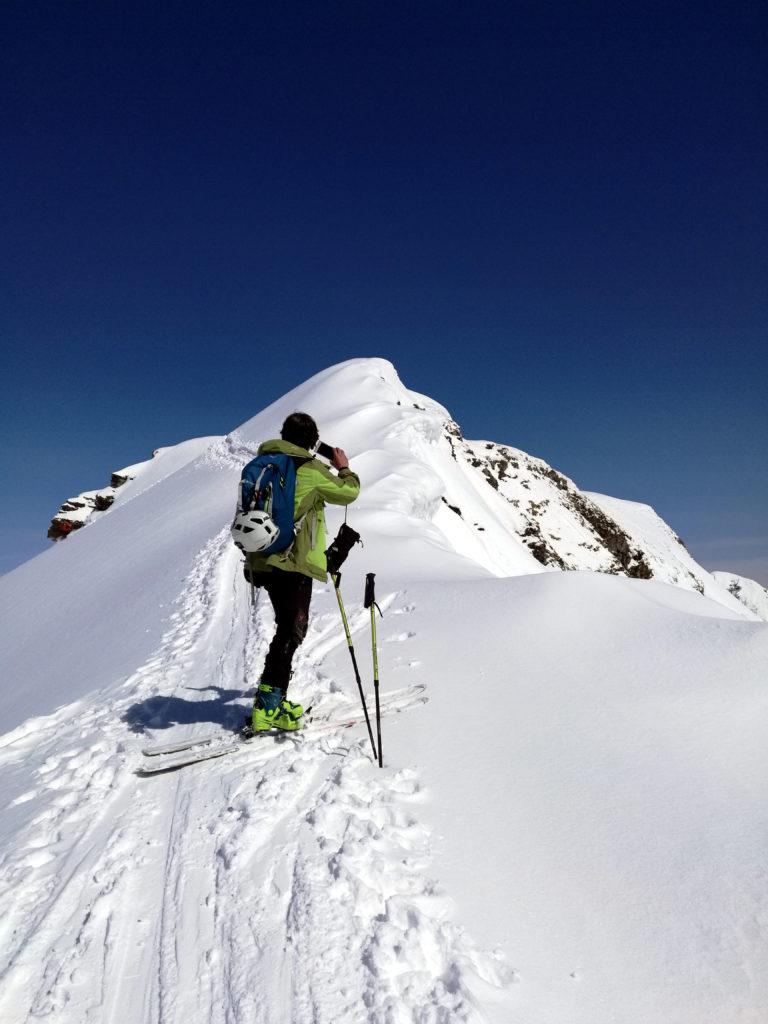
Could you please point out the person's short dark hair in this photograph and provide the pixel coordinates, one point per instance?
(300, 429)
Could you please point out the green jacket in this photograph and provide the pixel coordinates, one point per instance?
(315, 485)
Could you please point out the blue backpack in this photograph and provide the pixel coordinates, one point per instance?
(268, 484)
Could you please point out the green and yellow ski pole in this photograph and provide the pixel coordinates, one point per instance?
(336, 577)
(370, 602)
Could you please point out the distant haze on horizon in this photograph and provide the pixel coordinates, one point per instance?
(554, 221)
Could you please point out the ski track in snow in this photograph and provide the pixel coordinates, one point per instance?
(299, 892)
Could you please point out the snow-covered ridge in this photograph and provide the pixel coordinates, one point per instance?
(490, 507)
(435, 503)
(77, 512)
(83, 509)
(485, 508)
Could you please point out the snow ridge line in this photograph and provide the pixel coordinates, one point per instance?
(231, 452)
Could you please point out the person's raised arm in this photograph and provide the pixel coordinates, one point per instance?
(341, 489)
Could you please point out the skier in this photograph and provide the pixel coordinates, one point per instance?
(287, 575)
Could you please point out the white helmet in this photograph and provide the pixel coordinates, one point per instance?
(253, 531)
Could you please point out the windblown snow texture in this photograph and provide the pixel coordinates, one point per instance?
(572, 829)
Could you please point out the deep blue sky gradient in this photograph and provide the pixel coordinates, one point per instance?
(551, 217)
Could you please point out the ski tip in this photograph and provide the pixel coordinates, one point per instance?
(172, 762)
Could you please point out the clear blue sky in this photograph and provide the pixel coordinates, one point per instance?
(552, 217)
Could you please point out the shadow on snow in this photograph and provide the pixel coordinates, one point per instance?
(164, 712)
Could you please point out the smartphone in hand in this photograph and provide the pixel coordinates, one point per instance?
(325, 450)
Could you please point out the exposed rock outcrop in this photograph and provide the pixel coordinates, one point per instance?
(76, 512)
(558, 523)
(85, 508)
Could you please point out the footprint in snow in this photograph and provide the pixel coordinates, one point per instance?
(24, 798)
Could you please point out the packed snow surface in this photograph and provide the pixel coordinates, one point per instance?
(572, 829)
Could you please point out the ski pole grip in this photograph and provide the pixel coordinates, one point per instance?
(370, 595)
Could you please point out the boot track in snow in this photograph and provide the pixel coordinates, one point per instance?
(298, 892)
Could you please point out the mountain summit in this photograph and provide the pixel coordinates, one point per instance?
(435, 503)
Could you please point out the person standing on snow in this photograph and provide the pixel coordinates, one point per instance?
(287, 575)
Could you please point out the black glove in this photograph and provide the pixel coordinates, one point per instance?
(337, 553)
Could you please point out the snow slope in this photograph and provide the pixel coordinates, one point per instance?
(572, 829)
(666, 554)
(598, 791)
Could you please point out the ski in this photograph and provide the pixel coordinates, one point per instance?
(340, 718)
(189, 756)
(159, 749)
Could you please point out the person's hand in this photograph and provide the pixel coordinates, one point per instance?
(339, 460)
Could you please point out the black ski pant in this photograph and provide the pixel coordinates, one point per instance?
(290, 594)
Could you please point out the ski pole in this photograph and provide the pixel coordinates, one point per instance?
(336, 577)
(370, 602)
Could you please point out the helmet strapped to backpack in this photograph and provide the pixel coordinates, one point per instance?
(264, 520)
(253, 531)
